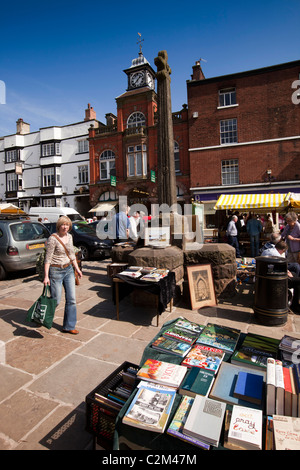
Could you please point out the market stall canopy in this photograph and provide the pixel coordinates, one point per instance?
(7, 208)
(252, 201)
(103, 207)
(295, 200)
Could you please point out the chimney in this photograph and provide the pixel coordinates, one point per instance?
(197, 72)
(111, 119)
(22, 127)
(89, 113)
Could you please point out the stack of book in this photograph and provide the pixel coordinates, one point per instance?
(163, 373)
(220, 337)
(155, 275)
(290, 349)
(117, 394)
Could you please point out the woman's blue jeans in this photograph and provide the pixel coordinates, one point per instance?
(59, 278)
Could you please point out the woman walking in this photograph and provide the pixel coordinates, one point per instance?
(59, 262)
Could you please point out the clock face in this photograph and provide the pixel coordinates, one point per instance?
(150, 81)
(137, 79)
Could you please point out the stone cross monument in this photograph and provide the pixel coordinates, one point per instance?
(165, 143)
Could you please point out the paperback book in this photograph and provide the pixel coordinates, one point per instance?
(286, 432)
(221, 337)
(181, 334)
(205, 357)
(197, 382)
(189, 326)
(255, 350)
(171, 346)
(245, 430)
(162, 372)
(176, 427)
(150, 408)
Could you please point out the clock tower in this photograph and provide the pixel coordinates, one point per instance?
(140, 74)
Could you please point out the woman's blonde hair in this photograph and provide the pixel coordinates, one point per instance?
(63, 220)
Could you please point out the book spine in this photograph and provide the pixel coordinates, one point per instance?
(279, 383)
(271, 388)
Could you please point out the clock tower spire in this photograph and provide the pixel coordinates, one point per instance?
(140, 74)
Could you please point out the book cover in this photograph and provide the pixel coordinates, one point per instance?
(255, 351)
(245, 428)
(225, 381)
(189, 326)
(178, 422)
(162, 372)
(150, 408)
(181, 334)
(197, 382)
(218, 336)
(205, 420)
(249, 387)
(286, 432)
(294, 395)
(287, 392)
(171, 346)
(205, 357)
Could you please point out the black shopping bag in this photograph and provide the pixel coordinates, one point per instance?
(42, 311)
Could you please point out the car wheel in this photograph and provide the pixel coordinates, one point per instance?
(2, 273)
(84, 252)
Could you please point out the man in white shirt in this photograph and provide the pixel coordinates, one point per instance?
(133, 220)
(232, 235)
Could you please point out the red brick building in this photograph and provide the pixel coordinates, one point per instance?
(244, 133)
(127, 145)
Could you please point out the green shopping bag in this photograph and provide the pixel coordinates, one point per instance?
(42, 311)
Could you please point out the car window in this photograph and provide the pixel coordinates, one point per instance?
(27, 231)
(83, 228)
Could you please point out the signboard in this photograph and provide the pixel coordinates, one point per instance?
(153, 177)
(113, 180)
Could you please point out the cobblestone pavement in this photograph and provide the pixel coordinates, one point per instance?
(46, 374)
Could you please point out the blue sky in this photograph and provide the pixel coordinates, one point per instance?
(58, 56)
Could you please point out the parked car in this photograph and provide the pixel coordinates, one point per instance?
(85, 238)
(21, 241)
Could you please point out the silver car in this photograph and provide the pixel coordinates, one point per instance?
(21, 241)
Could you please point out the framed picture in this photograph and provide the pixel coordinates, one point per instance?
(201, 286)
(158, 237)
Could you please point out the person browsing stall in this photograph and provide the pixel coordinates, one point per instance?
(59, 272)
(291, 234)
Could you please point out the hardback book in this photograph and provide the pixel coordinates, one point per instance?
(162, 372)
(294, 395)
(286, 432)
(249, 387)
(289, 347)
(287, 391)
(255, 351)
(197, 382)
(178, 422)
(224, 385)
(171, 346)
(150, 408)
(185, 324)
(205, 420)
(133, 273)
(181, 334)
(269, 440)
(296, 374)
(205, 357)
(218, 336)
(271, 387)
(279, 382)
(245, 428)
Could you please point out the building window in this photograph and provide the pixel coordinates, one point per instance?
(107, 163)
(230, 172)
(12, 182)
(228, 131)
(49, 203)
(108, 196)
(50, 149)
(83, 174)
(227, 97)
(12, 155)
(136, 120)
(137, 160)
(51, 176)
(83, 146)
(176, 157)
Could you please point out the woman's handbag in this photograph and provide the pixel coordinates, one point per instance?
(42, 311)
(75, 272)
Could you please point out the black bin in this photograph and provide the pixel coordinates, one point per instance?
(271, 290)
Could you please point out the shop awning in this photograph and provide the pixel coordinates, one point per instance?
(8, 208)
(103, 207)
(295, 200)
(252, 201)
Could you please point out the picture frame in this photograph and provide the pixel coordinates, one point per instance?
(201, 286)
(157, 237)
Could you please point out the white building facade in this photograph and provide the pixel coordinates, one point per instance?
(49, 167)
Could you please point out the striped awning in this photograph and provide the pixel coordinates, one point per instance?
(295, 200)
(252, 201)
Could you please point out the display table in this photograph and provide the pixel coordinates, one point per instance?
(164, 290)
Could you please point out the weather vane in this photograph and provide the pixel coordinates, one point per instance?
(139, 41)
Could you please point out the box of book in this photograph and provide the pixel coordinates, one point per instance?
(105, 401)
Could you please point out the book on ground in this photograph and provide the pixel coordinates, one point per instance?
(197, 382)
(178, 422)
(205, 357)
(150, 408)
(245, 429)
(205, 420)
(249, 387)
(286, 432)
(255, 350)
(171, 346)
(162, 372)
(218, 336)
